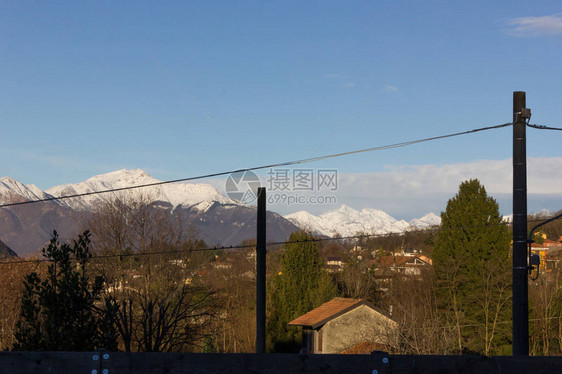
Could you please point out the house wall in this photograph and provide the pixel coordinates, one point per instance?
(358, 325)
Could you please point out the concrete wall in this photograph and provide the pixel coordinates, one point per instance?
(359, 325)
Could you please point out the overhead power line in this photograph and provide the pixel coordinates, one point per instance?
(288, 163)
(272, 244)
(215, 248)
(542, 127)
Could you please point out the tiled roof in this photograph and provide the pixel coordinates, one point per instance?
(424, 258)
(391, 260)
(327, 311)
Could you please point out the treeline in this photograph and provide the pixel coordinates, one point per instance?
(137, 279)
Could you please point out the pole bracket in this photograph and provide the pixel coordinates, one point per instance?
(524, 114)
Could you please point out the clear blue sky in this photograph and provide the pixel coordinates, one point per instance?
(84, 89)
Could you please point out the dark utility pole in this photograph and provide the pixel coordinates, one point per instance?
(260, 273)
(520, 267)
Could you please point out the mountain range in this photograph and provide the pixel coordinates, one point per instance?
(347, 221)
(219, 220)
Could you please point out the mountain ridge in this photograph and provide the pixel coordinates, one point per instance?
(347, 221)
(10, 188)
(177, 194)
(219, 219)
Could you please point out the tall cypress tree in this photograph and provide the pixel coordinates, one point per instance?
(300, 286)
(471, 262)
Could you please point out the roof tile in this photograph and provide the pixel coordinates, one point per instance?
(325, 311)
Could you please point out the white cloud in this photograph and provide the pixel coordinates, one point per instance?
(496, 175)
(390, 88)
(407, 192)
(411, 191)
(535, 26)
(349, 85)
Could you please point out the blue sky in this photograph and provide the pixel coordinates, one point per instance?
(92, 87)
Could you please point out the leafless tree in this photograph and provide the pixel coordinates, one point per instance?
(420, 328)
(358, 282)
(156, 299)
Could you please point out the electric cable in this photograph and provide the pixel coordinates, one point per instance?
(288, 163)
(278, 243)
(542, 127)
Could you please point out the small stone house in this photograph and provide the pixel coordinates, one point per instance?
(341, 325)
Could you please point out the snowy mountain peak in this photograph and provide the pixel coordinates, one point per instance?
(12, 190)
(125, 176)
(177, 194)
(347, 221)
(430, 219)
(346, 209)
(115, 179)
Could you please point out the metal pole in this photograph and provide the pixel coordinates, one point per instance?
(260, 272)
(520, 270)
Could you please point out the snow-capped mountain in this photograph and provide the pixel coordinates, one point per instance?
(217, 219)
(26, 228)
(347, 221)
(429, 220)
(12, 191)
(200, 196)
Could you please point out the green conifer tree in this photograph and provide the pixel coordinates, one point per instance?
(472, 270)
(300, 286)
(59, 313)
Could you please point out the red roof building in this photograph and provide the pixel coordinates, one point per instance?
(342, 324)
